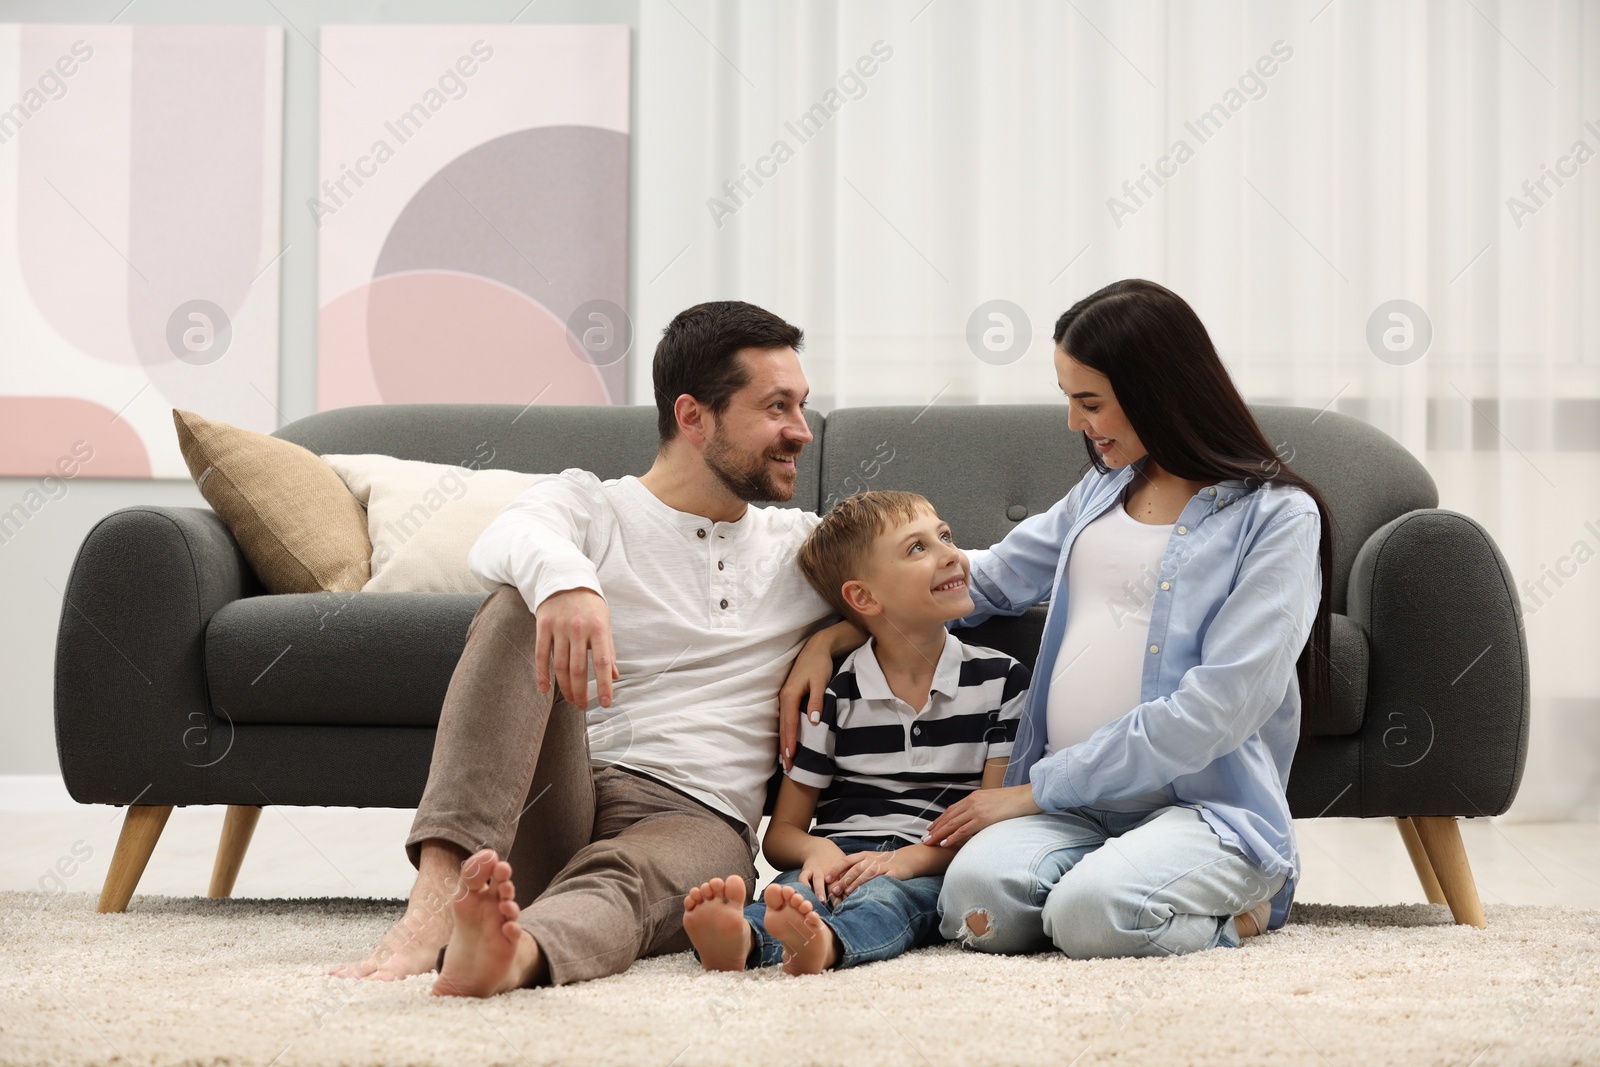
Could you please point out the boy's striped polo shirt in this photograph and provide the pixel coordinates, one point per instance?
(886, 768)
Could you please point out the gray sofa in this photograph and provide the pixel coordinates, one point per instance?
(161, 699)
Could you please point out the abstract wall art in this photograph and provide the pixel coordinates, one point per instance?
(472, 214)
(140, 195)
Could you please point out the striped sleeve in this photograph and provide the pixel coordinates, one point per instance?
(1002, 733)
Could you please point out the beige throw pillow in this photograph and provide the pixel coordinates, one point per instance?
(422, 518)
(294, 519)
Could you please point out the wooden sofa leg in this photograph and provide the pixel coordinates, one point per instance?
(1441, 839)
(1419, 860)
(141, 829)
(237, 828)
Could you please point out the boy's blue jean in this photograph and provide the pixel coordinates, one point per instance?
(883, 918)
(1096, 883)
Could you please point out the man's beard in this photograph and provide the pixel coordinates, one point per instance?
(746, 474)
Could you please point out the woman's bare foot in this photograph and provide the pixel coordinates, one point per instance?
(809, 946)
(1254, 921)
(488, 952)
(713, 917)
(411, 946)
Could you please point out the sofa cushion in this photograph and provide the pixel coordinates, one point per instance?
(385, 659)
(1018, 636)
(1347, 646)
(337, 659)
(422, 518)
(293, 517)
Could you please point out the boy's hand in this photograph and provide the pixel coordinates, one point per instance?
(983, 807)
(858, 868)
(821, 859)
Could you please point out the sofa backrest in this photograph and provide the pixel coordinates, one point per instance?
(984, 467)
(987, 467)
(1366, 476)
(610, 441)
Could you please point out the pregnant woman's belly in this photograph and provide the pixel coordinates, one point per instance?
(1097, 677)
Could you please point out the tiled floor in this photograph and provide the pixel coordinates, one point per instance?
(357, 852)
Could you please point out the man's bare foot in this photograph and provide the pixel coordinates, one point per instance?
(411, 945)
(809, 946)
(488, 952)
(713, 917)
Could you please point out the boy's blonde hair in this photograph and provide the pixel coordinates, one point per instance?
(837, 549)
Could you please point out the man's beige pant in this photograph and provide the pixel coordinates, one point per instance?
(601, 857)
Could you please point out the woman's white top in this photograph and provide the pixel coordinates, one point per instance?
(1111, 583)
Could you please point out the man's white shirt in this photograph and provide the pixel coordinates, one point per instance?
(706, 618)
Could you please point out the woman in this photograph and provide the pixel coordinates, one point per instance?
(1143, 811)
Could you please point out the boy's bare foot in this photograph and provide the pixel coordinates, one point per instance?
(809, 946)
(713, 917)
(488, 952)
(411, 946)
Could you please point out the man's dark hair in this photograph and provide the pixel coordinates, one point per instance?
(698, 355)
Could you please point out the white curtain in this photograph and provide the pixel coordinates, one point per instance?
(1335, 156)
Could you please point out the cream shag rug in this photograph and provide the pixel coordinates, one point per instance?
(222, 982)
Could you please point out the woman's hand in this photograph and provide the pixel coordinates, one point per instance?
(808, 679)
(983, 807)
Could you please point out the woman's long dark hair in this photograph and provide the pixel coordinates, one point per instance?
(1181, 402)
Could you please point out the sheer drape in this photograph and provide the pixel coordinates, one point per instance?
(1287, 168)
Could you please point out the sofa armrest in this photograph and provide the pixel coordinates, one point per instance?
(133, 720)
(1446, 725)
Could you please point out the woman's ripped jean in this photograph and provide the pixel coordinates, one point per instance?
(1095, 883)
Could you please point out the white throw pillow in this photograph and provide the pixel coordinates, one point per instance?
(422, 518)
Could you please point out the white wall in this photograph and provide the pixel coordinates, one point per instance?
(1376, 163)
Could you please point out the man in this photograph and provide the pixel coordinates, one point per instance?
(612, 799)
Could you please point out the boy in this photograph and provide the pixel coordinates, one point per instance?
(913, 721)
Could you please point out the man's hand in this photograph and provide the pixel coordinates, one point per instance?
(808, 680)
(980, 808)
(821, 858)
(573, 625)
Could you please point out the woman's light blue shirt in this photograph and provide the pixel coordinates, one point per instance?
(1235, 598)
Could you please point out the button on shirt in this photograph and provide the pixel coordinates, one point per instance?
(706, 618)
(888, 769)
(1243, 584)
